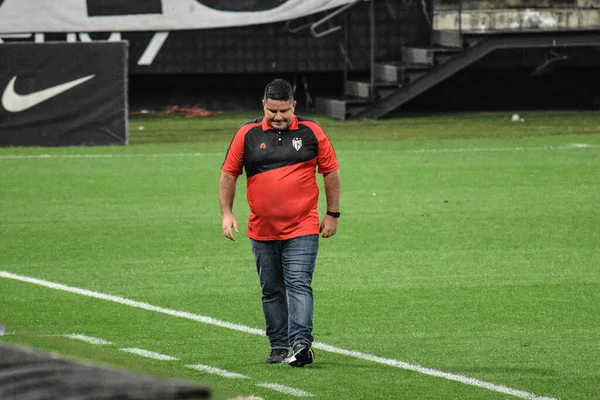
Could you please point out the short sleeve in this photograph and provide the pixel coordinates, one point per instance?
(234, 159)
(326, 159)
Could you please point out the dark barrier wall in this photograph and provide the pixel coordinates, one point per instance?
(272, 48)
(59, 94)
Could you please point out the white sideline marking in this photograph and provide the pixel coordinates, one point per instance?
(85, 338)
(133, 303)
(216, 371)
(149, 354)
(572, 146)
(246, 329)
(579, 145)
(285, 389)
(158, 155)
(431, 372)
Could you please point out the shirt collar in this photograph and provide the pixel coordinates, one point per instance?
(292, 127)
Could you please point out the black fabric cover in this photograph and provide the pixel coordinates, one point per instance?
(26, 374)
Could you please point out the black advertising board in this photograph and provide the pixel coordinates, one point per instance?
(63, 94)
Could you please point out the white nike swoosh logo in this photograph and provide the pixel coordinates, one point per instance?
(15, 102)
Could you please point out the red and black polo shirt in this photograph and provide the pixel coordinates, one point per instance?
(280, 166)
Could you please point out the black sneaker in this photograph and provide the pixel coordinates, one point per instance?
(302, 356)
(277, 356)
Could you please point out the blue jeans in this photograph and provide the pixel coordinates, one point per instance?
(285, 270)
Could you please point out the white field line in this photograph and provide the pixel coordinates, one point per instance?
(149, 354)
(431, 372)
(158, 356)
(572, 146)
(133, 303)
(285, 389)
(157, 155)
(88, 339)
(216, 371)
(199, 367)
(254, 331)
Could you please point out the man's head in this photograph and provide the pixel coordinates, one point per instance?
(279, 104)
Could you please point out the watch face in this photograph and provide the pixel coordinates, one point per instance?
(241, 5)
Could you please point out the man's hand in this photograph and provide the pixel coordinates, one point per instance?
(229, 225)
(328, 226)
(226, 194)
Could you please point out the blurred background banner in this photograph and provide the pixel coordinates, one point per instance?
(59, 94)
(19, 16)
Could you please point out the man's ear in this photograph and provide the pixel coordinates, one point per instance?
(263, 102)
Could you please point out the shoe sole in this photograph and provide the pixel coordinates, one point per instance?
(303, 357)
(283, 360)
(277, 362)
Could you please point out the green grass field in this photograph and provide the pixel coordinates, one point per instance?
(466, 265)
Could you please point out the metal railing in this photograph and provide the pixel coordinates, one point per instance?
(312, 26)
(314, 29)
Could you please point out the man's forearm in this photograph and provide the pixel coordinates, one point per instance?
(331, 183)
(227, 185)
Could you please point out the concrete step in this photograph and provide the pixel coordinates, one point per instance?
(394, 72)
(362, 89)
(415, 55)
(357, 89)
(389, 72)
(340, 107)
(447, 39)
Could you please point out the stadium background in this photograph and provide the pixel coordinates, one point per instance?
(226, 69)
(215, 69)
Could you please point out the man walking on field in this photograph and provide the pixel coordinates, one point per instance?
(280, 154)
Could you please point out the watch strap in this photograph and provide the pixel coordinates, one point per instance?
(333, 214)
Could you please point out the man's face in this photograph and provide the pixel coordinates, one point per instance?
(279, 113)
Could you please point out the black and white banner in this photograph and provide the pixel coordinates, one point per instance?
(63, 94)
(20, 16)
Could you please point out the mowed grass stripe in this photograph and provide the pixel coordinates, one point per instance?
(246, 329)
(572, 146)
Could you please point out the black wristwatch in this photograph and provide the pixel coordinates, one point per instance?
(333, 214)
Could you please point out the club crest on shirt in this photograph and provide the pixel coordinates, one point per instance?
(297, 143)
